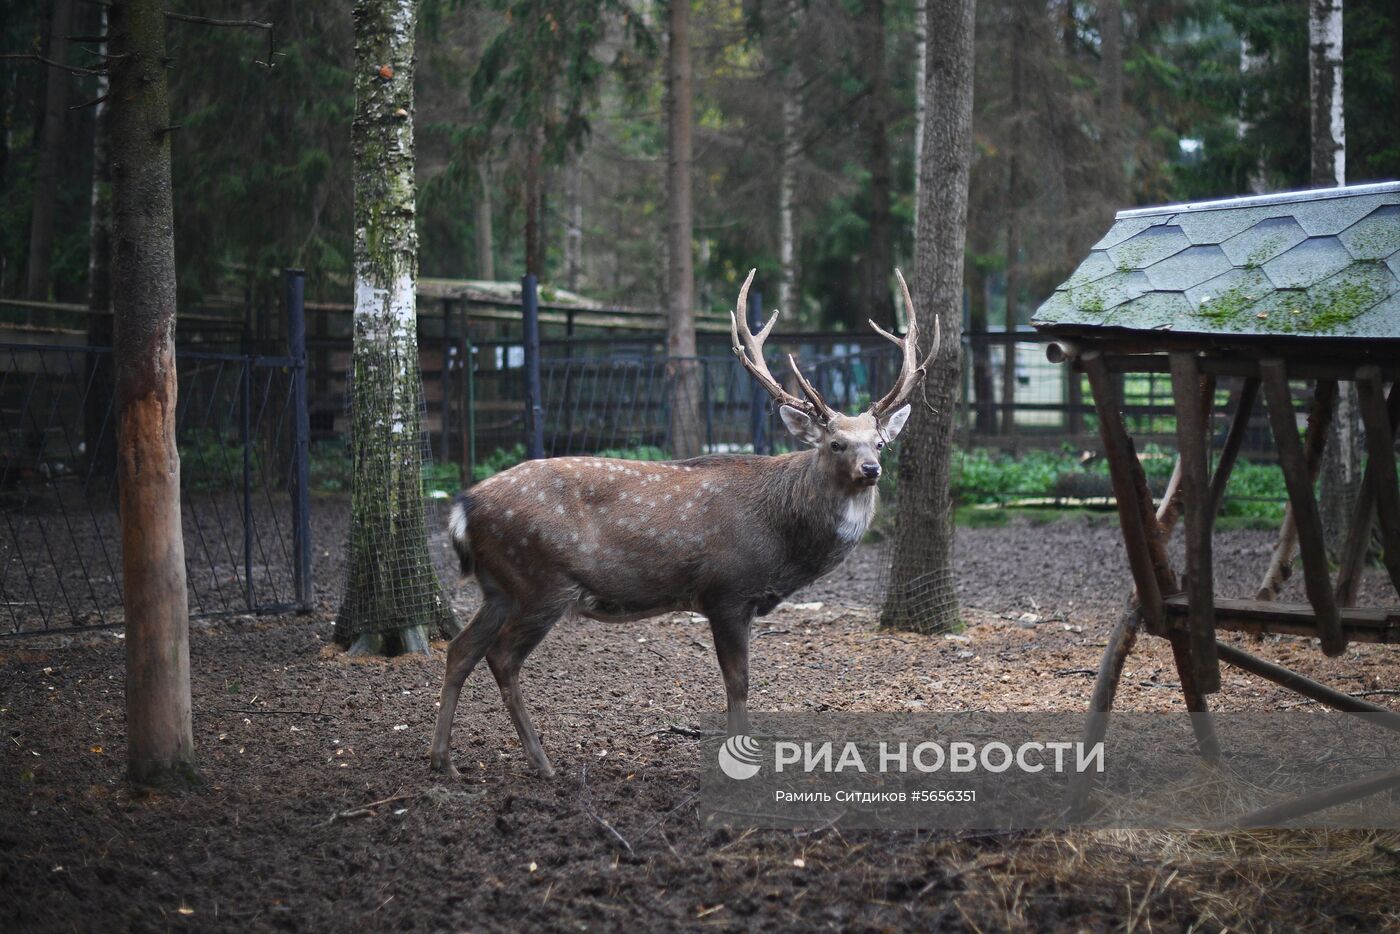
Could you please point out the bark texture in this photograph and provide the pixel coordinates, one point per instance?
(684, 375)
(51, 143)
(1341, 459)
(393, 600)
(485, 235)
(160, 742)
(877, 261)
(921, 593)
(791, 152)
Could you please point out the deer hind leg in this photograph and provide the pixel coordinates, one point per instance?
(463, 652)
(515, 643)
(730, 629)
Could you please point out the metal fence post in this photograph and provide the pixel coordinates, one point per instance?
(758, 414)
(294, 294)
(534, 405)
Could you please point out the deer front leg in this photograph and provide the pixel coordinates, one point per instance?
(463, 653)
(730, 629)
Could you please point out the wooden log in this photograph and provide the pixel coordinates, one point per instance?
(1358, 541)
(1200, 578)
(1129, 485)
(1317, 578)
(1319, 420)
(1359, 624)
(1380, 446)
(1301, 684)
(1234, 440)
(1115, 656)
(1275, 815)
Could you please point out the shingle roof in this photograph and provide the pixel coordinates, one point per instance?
(1322, 263)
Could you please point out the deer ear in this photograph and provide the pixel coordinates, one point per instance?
(800, 424)
(894, 423)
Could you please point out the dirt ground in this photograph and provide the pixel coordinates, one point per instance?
(319, 812)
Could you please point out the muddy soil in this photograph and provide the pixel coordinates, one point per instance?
(318, 810)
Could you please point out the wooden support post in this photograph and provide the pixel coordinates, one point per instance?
(1380, 446)
(1317, 578)
(1301, 684)
(1234, 440)
(1129, 489)
(1200, 579)
(1319, 420)
(1276, 815)
(1359, 533)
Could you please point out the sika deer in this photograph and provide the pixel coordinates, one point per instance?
(725, 535)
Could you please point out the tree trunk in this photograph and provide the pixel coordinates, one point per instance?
(1341, 459)
(1019, 37)
(791, 152)
(920, 94)
(877, 260)
(534, 204)
(485, 238)
(921, 593)
(51, 143)
(160, 741)
(99, 438)
(1257, 178)
(573, 223)
(982, 390)
(684, 372)
(1111, 100)
(393, 599)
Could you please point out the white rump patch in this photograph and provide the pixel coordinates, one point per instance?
(856, 517)
(457, 523)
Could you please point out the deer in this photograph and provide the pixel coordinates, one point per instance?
(728, 536)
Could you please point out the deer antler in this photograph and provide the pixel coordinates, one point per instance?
(910, 371)
(748, 347)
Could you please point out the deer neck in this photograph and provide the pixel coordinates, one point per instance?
(823, 503)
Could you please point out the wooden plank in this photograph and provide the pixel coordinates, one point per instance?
(1275, 815)
(1200, 578)
(1303, 367)
(1380, 445)
(1360, 624)
(1319, 420)
(1301, 684)
(1234, 440)
(1358, 541)
(1317, 578)
(1122, 464)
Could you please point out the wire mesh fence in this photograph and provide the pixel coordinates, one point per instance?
(60, 542)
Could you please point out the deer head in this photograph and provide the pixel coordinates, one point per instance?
(848, 445)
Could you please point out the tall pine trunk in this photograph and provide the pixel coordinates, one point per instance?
(1020, 30)
(921, 594)
(51, 146)
(1341, 460)
(877, 260)
(683, 377)
(160, 741)
(1111, 100)
(393, 599)
(485, 236)
(920, 94)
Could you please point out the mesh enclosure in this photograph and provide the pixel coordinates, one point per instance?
(390, 582)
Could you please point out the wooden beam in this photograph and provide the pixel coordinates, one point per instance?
(1301, 684)
(1317, 579)
(1380, 446)
(1319, 420)
(1126, 471)
(1187, 391)
(1358, 541)
(1359, 623)
(1234, 440)
(1276, 815)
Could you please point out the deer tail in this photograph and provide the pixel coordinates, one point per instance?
(457, 528)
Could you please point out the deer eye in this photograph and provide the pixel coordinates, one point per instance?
(837, 446)
(879, 445)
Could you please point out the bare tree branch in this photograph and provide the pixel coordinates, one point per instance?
(31, 57)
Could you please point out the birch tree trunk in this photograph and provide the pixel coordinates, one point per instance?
(51, 144)
(1257, 179)
(573, 223)
(920, 95)
(485, 237)
(98, 437)
(791, 152)
(1019, 38)
(160, 741)
(1341, 459)
(921, 594)
(684, 375)
(877, 259)
(393, 599)
(1111, 100)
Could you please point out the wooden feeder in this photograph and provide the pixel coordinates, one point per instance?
(1299, 287)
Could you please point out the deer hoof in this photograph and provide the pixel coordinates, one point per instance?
(445, 766)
